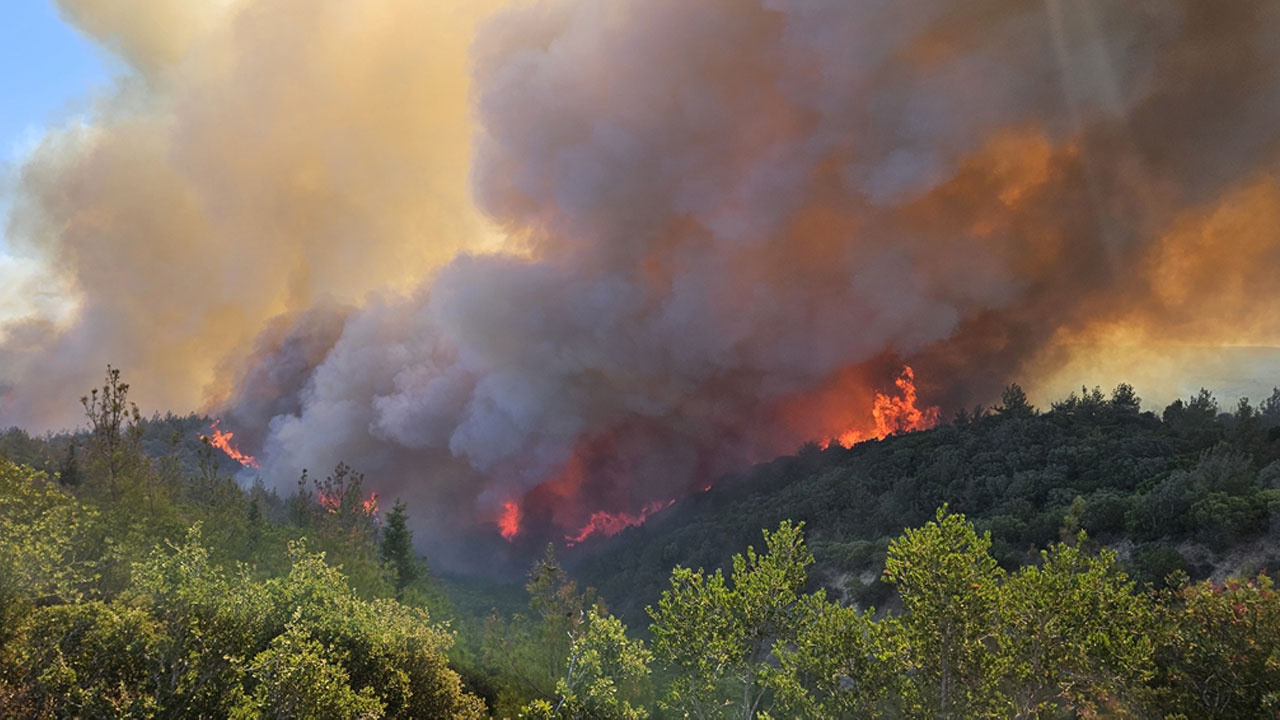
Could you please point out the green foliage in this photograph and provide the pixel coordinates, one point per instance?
(602, 661)
(297, 677)
(719, 634)
(1141, 478)
(101, 616)
(840, 664)
(1013, 402)
(397, 547)
(1124, 399)
(533, 650)
(1075, 634)
(188, 639)
(115, 430)
(568, 658)
(81, 660)
(46, 540)
(950, 588)
(1218, 650)
(1068, 635)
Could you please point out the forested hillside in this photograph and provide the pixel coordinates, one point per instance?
(1011, 564)
(1188, 489)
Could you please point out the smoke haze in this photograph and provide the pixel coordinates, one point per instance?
(721, 227)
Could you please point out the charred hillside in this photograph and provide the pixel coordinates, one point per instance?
(1192, 488)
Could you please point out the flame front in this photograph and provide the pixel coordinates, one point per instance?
(370, 506)
(608, 524)
(892, 415)
(509, 520)
(222, 441)
(332, 503)
(557, 503)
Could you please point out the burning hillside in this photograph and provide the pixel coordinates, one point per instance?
(695, 235)
(223, 441)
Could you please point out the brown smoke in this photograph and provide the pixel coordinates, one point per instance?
(730, 222)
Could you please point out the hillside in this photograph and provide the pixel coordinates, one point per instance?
(1192, 488)
(211, 599)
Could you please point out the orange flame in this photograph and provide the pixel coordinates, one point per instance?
(892, 415)
(222, 441)
(509, 521)
(610, 524)
(332, 503)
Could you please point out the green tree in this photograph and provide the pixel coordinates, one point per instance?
(1218, 651)
(115, 429)
(397, 547)
(69, 469)
(719, 635)
(189, 639)
(1125, 400)
(1013, 402)
(1269, 409)
(841, 663)
(1246, 432)
(80, 660)
(602, 663)
(48, 542)
(1076, 635)
(533, 650)
(299, 678)
(208, 624)
(950, 587)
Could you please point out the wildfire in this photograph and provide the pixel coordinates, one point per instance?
(332, 503)
(892, 415)
(222, 441)
(611, 524)
(509, 521)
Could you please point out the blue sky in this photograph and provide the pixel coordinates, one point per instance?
(48, 72)
(47, 69)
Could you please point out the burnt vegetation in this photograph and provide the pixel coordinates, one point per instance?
(1087, 559)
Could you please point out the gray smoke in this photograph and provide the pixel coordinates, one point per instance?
(731, 221)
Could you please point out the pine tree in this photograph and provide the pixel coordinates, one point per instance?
(1013, 402)
(255, 523)
(397, 547)
(69, 469)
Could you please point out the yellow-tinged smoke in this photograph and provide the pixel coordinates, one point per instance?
(1198, 311)
(259, 157)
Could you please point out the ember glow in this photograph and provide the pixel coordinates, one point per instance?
(892, 415)
(509, 520)
(332, 503)
(222, 441)
(607, 524)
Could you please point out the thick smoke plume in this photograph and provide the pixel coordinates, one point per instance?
(258, 159)
(727, 225)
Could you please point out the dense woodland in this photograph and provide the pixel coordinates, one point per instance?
(1089, 560)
